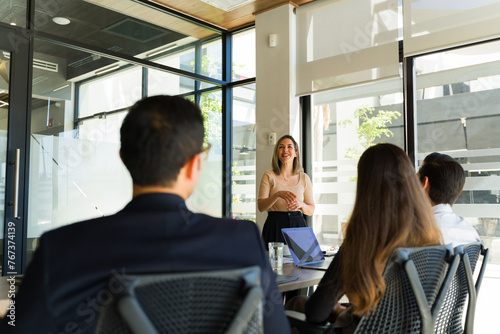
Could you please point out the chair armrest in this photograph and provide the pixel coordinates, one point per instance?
(298, 320)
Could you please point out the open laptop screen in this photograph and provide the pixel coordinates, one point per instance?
(303, 244)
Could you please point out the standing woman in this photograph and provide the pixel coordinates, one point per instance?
(285, 191)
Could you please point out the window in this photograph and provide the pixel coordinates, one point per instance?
(207, 197)
(243, 55)
(211, 60)
(243, 171)
(353, 75)
(457, 114)
(338, 139)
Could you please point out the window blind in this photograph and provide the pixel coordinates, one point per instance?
(343, 43)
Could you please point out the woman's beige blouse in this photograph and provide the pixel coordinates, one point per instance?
(270, 185)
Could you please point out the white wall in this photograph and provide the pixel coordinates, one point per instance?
(276, 105)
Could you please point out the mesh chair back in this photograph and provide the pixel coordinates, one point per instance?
(414, 280)
(449, 320)
(205, 302)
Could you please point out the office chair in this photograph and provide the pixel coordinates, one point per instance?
(227, 301)
(417, 280)
(462, 288)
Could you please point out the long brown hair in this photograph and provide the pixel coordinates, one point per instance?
(276, 163)
(391, 210)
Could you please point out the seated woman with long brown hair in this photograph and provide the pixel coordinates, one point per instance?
(391, 210)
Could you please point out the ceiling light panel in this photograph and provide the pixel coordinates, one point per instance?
(227, 5)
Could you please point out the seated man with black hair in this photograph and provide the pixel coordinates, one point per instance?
(65, 286)
(443, 179)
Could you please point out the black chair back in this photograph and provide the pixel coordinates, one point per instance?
(463, 287)
(416, 282)
(228, 301)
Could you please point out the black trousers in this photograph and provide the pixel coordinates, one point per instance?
(276, 220)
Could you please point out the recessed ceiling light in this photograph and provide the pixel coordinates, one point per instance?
(106, 70)
(61, 20)
(62, 87)
(161, 50)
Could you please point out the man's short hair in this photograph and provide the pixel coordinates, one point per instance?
(158, 136)
(446, 177)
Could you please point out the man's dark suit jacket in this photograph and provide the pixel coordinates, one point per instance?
(66, 283)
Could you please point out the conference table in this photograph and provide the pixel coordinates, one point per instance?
(306, 277)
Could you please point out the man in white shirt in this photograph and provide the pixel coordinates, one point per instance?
(443, 179)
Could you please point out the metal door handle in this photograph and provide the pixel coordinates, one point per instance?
(16, 184)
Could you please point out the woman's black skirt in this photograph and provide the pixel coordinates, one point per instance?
(276, 220)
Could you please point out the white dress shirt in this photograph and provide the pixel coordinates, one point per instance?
(455, 229)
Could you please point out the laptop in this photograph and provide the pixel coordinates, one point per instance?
(304, 248)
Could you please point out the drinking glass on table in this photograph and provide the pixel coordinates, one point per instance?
(276, 255)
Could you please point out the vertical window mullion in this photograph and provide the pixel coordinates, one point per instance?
(227, 125)
(410, 108)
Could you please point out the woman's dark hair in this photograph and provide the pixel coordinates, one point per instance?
(158, 136)
(390, 210)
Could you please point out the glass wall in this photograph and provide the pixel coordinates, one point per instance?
(75, 169)
(5, 58)
(13, 12)
(91, 62)
(126, 28)
(344, 123)
(111, 92)
(458, 114)
(243, 171)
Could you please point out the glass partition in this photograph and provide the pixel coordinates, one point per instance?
(5, 58)
(13, 12)
(123, 27)
(111, 92)
(75, 169)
